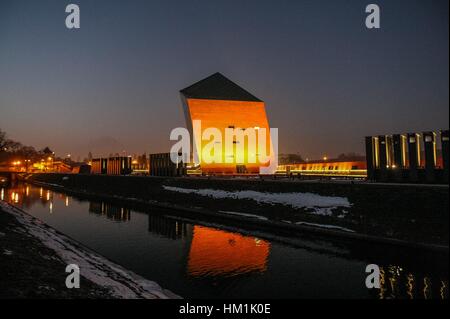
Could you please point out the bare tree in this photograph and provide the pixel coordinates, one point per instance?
(7, 145)
(47, 151)
(3, 141)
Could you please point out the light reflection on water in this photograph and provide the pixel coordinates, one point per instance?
(198, 261)
(218, 253)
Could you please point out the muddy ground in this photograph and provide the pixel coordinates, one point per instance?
(28, 269)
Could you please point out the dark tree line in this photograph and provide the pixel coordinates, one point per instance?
(12, 150)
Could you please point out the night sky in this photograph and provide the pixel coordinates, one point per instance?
(327, 81)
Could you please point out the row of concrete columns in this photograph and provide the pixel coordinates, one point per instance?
(398, 157)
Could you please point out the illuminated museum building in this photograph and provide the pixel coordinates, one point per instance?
(220, 103)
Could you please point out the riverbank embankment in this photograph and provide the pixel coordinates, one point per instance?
(411, 215)
(34, 257)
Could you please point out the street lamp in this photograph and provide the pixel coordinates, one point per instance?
(27, 163)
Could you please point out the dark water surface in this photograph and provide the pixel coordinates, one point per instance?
(198, 261)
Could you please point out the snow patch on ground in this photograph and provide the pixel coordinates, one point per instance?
(52, 184)
(243, 214)
(7, 252)
(313, 203)
(325, 226)
(121, 282)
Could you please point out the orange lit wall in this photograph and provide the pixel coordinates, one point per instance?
(216, 252)
(321, 166)
(222, 114)
(439, 162)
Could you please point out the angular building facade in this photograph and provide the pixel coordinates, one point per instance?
(220, 103)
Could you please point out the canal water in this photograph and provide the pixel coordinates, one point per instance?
(197, 260)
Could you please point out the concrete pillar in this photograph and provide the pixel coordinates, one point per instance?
(429, 139)
(383, 157)
(445, 154)
(399, 155)
(399, 150)
(414, 156)
(371, 157)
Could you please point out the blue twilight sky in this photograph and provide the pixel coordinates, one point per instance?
(327, 80)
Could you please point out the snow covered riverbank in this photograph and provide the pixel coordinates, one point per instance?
(313, 203)
(119, 282)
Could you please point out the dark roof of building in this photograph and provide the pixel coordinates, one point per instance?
(218, 87)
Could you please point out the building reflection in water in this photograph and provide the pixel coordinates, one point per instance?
(396, 283)
(26, 196)
(15, 197)
(168, 227)
(112, 212)
(215, 252)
